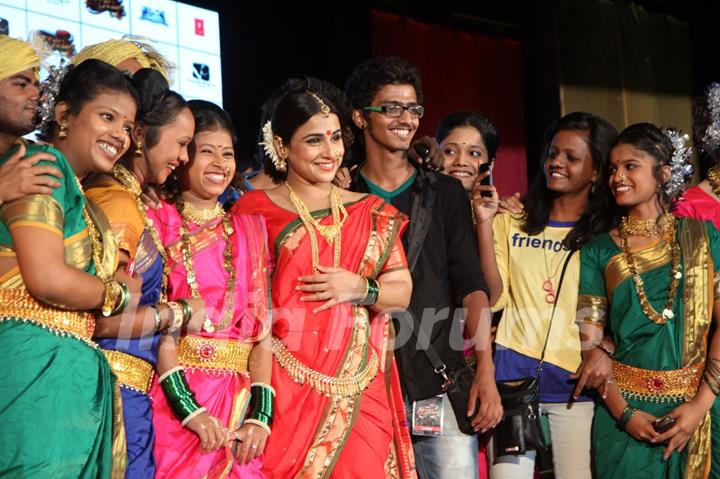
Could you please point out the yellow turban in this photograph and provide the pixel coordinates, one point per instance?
(16, 56)
(115, 52)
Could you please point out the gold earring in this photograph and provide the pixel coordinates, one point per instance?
(62, 134)
(139, 148)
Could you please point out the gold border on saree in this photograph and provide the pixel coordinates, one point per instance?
(131, 372)
(349, 386)
(19, 304)
(657, 386)
(220, 356)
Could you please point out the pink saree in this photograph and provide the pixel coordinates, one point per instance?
(211, 359)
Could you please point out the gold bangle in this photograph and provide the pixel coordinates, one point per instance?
(177, 317)
(113, 291)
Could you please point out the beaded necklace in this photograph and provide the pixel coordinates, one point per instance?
(191, 278)
(675, 274)
(331, 232)
(132, 185)
(96, 243)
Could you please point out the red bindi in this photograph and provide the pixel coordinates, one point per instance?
(328, 133)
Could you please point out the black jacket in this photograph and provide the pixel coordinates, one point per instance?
(445, 267)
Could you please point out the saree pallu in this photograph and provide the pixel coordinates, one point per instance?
(215, 363)
(697, 203)
(675, 349)
(56, 388)
(133, 360)
(347, 418)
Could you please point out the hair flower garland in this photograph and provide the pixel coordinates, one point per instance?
(268, 145)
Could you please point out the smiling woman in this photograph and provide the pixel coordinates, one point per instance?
(58, 259)
(524, 277)
(338, 268)
(220, 259)
(467, 140)
(652, 282)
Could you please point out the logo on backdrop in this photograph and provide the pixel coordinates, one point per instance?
(4, 27)
(115, 7)
(154, 15)
(201, 72)
(61, 41)
(200, 27)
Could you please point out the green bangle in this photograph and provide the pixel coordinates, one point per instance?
(179, 396)
(261, 403)
(625, 417)
(187, 311)
(373, 292)
(125, 299)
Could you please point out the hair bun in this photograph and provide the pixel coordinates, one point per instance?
(152, 86)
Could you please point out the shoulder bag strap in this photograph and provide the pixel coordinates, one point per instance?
(552, 315)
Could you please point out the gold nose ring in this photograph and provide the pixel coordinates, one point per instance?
(622, 177)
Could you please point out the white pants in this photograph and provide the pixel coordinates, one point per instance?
(570, 426)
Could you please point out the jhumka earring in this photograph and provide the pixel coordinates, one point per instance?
(139, 148)
(62, 134)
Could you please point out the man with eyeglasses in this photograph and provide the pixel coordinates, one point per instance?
(386, 96)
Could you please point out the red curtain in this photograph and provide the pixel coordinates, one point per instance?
(464, 71)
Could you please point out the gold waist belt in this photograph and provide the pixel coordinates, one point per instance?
(657, 386)
(222, 356)
(16, 303)
(131, 372)
(349, 386)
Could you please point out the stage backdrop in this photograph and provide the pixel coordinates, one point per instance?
(464, 71)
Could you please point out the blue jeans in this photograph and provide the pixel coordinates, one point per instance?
(449, 455)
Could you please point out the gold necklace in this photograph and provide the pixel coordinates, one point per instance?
(331, 232)
(132, 185)
(200, 217)
(191, 278)
(630, 226)
(675, 276)
(96, 243)
(713, 176)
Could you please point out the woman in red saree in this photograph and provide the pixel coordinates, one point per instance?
(338, 263)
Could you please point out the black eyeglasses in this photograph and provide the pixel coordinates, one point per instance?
(396, 111)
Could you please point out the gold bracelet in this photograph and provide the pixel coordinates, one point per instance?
(177, 317)
(113, 291)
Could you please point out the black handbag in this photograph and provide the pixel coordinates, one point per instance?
(456, 382)
(520, 429)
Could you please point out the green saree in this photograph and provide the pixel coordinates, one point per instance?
(676, 349)
(56, 400)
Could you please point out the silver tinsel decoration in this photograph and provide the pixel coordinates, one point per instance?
(711, 139)
(681, 168)
(49, 90)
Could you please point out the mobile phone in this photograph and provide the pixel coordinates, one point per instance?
(663, 424)
(487, 181)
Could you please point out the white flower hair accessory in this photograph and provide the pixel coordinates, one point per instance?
(711, 139)
(268, 145)
(681, 169)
